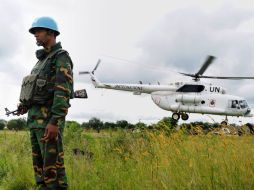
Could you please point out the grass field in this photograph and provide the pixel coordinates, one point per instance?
(123, 160)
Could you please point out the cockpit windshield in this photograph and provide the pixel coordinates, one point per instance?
(240, 104)
(243, 104)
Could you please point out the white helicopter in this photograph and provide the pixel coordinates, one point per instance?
(182, 98)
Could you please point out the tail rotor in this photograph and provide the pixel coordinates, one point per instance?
(94, 80)
(89, 72)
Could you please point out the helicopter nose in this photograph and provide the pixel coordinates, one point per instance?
(248, 113)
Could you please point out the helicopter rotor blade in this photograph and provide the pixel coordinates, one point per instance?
(98, 62)
(84, 72)
(186, 74)
(206, 64)
(217, 77)
(230, 78)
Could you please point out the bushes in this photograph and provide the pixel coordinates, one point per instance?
(2, 124)
(72, 132)
(17, 124)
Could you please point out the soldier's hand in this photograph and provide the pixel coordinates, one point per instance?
(22, 109)
(51, 133)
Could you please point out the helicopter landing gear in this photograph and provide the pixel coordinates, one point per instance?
(184, 116)
(175, 116)
(225, 122)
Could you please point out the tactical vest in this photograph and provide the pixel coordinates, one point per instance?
(36, 87)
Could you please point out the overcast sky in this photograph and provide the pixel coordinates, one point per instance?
(148, 40)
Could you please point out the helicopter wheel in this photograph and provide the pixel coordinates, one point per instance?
(175, 116)
(184, 116)
(224, 123)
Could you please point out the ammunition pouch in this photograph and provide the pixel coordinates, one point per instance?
(34, 90)
(27, 89)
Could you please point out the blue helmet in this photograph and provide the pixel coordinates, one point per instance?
(44, 22)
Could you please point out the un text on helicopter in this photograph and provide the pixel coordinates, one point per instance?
(182, 98)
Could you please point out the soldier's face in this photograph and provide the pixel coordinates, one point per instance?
(42, 37)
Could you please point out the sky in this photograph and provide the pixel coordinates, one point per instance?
(137, 40)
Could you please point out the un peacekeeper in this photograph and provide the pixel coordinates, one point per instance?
(45, 94)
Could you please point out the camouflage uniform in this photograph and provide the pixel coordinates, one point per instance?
(48, 156)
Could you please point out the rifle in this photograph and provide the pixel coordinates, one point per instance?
(80, 94)
(8, 112)
(77, 94)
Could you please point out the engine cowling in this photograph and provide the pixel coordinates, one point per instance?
(184, 98)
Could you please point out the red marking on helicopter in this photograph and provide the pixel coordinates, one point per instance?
(212, 103)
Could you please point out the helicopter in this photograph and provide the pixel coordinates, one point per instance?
(182, 98)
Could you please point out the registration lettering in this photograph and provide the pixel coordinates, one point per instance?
(126, 87)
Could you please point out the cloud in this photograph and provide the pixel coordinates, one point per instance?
(185, 37)
(181, 40)
(11, 39)
(10, 28)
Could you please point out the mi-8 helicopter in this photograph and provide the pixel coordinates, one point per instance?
(182, 98)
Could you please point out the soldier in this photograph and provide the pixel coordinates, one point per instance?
(45, 93)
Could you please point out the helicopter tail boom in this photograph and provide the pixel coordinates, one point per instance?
(96, 82)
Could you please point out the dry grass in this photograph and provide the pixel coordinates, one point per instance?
(147, 160)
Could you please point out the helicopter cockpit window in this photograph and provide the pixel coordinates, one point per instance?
(243, 104)
(234, 104)
(239, 104)
(191, 88)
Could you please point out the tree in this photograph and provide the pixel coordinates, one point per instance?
(2, 124)
(109, 125)
(95, 123)
(122, 124)
(17, 124)
(140, 125)
(85, 125)
(166, 124)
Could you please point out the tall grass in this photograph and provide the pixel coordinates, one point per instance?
(146, 160)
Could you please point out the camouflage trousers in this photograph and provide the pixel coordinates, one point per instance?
(48, 161)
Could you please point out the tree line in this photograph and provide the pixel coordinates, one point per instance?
(166, 124)
(97, 124)
(94, 123)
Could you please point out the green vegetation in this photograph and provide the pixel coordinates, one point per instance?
(2, 124)
(16, 124)
(155, 157)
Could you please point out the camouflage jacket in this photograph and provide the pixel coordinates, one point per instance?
(60, 77)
